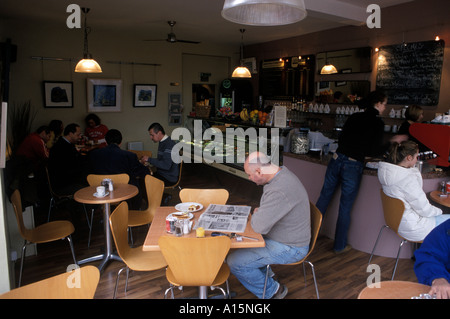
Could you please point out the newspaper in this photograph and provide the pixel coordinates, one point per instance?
(227, 218)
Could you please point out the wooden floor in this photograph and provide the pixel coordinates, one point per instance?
(338, 276)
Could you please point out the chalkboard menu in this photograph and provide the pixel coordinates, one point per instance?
(410, 73)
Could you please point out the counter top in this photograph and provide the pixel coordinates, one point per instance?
(323, 160)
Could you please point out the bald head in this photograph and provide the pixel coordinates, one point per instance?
(259, 168)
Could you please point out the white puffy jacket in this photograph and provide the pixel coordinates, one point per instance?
(406, 184)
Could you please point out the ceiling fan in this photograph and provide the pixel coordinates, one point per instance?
(171, 37)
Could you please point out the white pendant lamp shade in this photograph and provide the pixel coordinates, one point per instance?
(88, 66)
(328, 69)
(264, 12)
(241, 72)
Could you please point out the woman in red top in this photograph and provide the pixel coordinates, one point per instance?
(95, 131)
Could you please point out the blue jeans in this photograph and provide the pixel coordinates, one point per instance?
(249, 264)
(347, 173)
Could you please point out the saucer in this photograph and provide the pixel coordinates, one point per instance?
(100, 196)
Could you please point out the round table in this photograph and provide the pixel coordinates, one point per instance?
(443, 200)
(120, 193)
(394, 290)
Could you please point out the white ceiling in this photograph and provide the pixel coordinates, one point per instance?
(198, 20)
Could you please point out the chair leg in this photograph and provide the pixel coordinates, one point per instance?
(130, 234)
(126, 281)
(24, 249)
(398, 256)
(304, 272)
(50, 206)
(314, 276)
(265, 282)
(376, 242)
(69, 239)
(167, 290)
(117, 281)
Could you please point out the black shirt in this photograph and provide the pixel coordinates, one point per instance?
(362, 135)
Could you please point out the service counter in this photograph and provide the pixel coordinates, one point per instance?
(367, 214)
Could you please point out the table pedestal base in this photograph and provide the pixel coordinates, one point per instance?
(108, 255)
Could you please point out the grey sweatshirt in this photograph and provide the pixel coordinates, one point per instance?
(284, 213)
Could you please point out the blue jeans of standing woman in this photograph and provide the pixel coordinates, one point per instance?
(346, 172)
(249, 264)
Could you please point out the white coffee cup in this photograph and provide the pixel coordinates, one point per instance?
(101, 191)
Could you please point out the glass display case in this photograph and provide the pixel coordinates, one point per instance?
(225, 145)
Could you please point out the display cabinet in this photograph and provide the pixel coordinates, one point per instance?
(225, 145)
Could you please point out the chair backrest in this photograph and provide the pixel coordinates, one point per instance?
(60, 287)
(155, 190)
(316, 222)
(194, 261)
(139, 154)
(50, 188)
(17, 205)
(180, 166)
(96, 180)
(204, 196)
(393, 209)
(118, 221)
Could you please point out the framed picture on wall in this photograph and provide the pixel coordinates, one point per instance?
(144, 95)
(175, 109)
(104, 95)
(58, 94)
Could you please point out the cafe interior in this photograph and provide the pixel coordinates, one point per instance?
(181, 55)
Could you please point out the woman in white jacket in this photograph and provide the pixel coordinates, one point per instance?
(400, 179)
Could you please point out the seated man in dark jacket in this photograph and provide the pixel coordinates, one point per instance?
(113, 160)
(66, 165)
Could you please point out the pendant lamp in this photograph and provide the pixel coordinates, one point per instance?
(264, 12)
(87, 64)
(241, 71)
(328, 68)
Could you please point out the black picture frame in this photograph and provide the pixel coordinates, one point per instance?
(144, 95)
(58, 94)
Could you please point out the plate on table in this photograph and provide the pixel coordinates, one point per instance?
(189, 207)
(101, 196)
(180, 215)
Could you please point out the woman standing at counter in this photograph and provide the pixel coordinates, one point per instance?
(361, 136)
(400, 179)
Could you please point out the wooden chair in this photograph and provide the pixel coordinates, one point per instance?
(84, 282)
(196, 261)
(96, 180)
(56, 199)
(48, 232)
(134, 258)
(177, 184)
(155, 189)
(316, 222)
(393, 289)
(393, 209)
(204, 196)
